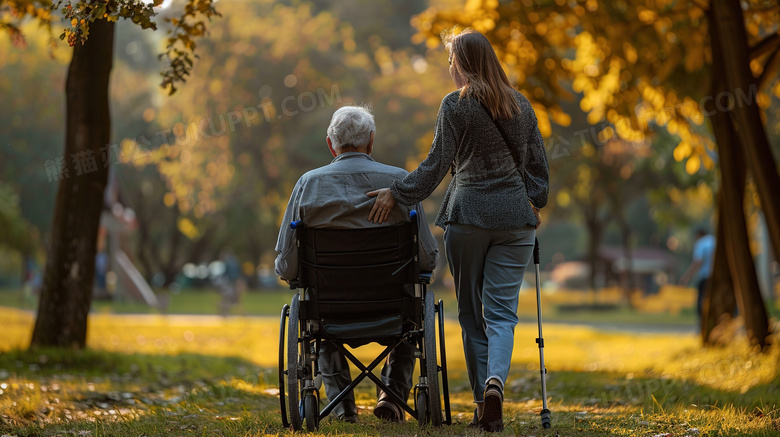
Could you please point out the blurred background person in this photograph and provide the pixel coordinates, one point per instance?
(701, 266)
(229, 283)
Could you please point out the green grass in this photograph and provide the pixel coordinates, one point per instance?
(269, 303)
(193, 375)
(188, 301)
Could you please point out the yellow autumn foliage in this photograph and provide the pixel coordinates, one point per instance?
(641, 65)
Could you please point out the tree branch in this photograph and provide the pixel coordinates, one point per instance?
(766, 45)
(770, 68)
(760, 10)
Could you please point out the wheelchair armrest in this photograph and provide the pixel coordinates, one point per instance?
(425, 278)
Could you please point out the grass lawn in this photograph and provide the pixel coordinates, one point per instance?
(205, 301)
(157, 375)
(269, 303)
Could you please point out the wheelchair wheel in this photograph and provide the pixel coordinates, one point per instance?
(311, 411)
(431, 364)
(421, 404)
(294, 361)
(282, 367)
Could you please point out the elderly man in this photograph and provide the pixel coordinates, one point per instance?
(334, 196)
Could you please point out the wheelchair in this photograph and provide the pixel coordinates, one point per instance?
(357, 286)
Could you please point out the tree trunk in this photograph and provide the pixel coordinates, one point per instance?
(198, 252)
(25, 270)
(70, 265)
(720, 305)
(140, 250)
(254, 253)
(726, 21)
(594, 239)
(143, 239)
(171, 267)
(733, 176)
(737, 247)
(625, 231)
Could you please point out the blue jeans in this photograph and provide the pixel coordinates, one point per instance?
(488, 268)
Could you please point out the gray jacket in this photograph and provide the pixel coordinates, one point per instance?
(487, 190)
(334, 196)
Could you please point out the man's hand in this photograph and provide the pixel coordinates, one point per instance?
(688, 275)
(382, 206)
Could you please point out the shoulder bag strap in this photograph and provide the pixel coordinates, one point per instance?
(504, 136)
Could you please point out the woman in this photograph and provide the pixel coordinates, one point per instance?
(490, 211)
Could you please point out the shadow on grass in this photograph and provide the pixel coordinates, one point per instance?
(616, 403)
(46, 390)
(45, 362)
(54, 392)
(613, 389)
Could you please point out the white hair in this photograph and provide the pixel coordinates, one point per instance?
(351, 127)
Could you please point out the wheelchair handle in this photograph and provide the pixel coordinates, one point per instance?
(536, 251)
(296, 224)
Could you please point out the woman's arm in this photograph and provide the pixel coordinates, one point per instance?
(536, 171)
(420, 183)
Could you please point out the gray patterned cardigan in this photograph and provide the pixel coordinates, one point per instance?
(487, 190)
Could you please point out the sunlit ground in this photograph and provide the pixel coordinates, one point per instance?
(673, 305)
(202, 375)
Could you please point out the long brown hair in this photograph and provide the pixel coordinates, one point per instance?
(476, 60)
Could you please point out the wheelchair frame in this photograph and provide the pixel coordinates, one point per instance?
(299, 343)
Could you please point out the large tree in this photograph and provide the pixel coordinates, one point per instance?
(643, 64)
(82, 170)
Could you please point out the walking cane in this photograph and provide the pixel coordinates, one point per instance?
(546, 420)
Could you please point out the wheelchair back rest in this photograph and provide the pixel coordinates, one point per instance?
(357, 273)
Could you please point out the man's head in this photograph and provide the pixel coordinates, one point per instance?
(701, 232)
(351, 130)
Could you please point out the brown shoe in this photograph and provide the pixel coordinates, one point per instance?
(349, 418)
(387, 410)
(492, 419)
